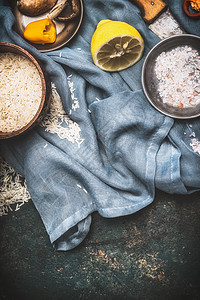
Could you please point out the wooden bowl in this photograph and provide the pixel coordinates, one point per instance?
(11, 48)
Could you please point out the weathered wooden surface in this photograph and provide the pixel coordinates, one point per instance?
(153, 254)
(150, 9)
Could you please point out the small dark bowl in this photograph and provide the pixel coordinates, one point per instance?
(8, 47)
(150, 82)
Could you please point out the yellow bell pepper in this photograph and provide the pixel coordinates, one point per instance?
(41, 32)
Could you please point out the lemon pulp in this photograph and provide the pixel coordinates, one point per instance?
(116, 45)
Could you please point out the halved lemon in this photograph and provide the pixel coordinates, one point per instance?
(116, 45)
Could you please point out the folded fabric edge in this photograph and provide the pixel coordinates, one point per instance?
(125, 211)
(69, 241)
(71, 232)
(77, 231)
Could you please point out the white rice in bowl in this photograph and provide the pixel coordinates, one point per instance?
(20, 91)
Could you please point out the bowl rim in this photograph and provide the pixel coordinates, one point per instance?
(19, 50)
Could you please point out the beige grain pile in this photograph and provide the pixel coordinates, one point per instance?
(20, 91)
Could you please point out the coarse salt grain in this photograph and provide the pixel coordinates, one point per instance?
(178, 74)
(195, 144)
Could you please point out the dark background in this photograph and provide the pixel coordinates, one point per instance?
(152, 254)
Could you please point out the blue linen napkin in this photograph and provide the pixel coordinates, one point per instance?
(124, 148)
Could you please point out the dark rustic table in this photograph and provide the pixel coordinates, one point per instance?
(152, 254)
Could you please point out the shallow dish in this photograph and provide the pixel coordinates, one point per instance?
(45, 85)
(150, 81)
(65, 30)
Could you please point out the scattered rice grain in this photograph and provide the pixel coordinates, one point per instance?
(58, 122)
(13, 189)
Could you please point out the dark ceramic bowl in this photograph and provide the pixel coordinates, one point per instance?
(150, 81)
